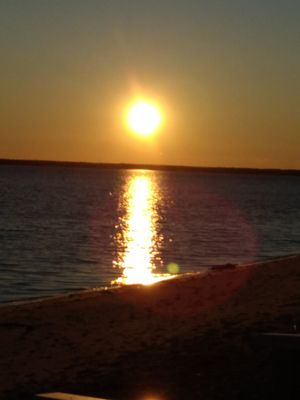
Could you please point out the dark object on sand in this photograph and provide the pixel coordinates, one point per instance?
(224, 266)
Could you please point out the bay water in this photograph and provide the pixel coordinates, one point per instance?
(64, 229)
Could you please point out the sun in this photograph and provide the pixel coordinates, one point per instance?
(144, 118)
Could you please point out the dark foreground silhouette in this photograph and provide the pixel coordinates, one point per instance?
(195, 337)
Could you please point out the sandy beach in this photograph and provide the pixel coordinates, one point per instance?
(195, 336)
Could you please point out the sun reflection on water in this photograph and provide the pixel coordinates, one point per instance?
(138, 239)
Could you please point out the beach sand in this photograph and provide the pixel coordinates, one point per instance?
(192, 337)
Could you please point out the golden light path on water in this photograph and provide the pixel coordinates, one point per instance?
(138, 239)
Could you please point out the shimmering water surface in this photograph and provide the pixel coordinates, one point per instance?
(67, 228)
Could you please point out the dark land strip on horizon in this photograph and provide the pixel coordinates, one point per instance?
(160, 167)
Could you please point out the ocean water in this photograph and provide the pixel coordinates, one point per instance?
(64, 229)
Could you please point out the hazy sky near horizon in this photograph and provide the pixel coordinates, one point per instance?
(226, 74)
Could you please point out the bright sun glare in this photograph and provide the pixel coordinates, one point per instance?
(144, 118)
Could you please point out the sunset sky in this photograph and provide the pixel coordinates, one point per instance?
(225, 75)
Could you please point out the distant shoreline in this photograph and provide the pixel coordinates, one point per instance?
(155, 167)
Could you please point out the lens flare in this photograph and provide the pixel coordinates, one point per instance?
(173, 268)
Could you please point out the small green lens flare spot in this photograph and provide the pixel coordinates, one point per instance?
(173, 268)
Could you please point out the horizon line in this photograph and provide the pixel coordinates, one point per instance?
(123, 165)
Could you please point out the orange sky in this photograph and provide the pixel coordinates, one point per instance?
(227, 79)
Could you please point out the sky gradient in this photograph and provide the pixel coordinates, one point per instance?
(226, 74)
